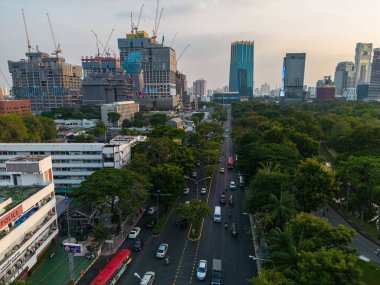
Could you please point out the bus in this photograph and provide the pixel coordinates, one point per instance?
(114, 269)
(230, 162)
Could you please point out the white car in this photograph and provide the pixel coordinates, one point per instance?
(148, 278)
(194, 174)
(202, 269)
(162, 250)
(186, 191)
(187, 203)
(232, 185)
(152, 210)
(203, 190)
(134, 232)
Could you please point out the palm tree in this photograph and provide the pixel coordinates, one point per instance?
(281, 209)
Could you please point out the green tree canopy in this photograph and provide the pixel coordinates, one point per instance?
(113, 117)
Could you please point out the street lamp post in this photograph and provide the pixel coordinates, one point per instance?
(197, 182)
(137, 275)
(261, 259)
(158, 194)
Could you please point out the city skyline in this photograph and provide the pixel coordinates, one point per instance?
(209, 54)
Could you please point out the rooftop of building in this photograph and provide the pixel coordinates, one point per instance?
(18, 193)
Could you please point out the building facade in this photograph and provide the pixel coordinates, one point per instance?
(344, 77)
(374, 85)
(126, 109)
(15, 107)
(326, 90)
(363, 55)
(362, 91)
(28, 219)
(242, 68)
(48, 82)
(154, 66)
(222, 97)
(200, 87)
(293, 72)
(72, 162)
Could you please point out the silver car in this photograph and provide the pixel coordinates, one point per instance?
(162, 250)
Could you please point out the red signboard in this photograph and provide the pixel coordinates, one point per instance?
(11, 216)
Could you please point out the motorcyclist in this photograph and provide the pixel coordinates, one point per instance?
(225, 225)
(167, 260)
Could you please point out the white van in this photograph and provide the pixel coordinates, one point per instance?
(148, 278)
(217, 214)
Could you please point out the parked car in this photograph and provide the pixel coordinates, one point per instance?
(150, 224)
(162, 250)
(134, 232)
(152, 210)
(203, 190)
(138, 245)
(194, 174)
(186, 191)
(232, 185)
(202, 269)
(221, 170)
(222, 199)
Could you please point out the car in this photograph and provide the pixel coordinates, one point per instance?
(187, 203)
(221, 170)
(232, 185)
(162, 250)
(184, 223)
(227, 131)
(203, 190)
(148, 278)
(222, 199)
(150, 224)
(134, 232)
(138, 245)
(194, 174)
(186, 191)
(202, 269)
(226, 136)
(152, 210)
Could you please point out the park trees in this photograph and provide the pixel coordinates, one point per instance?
(316, 184)
(194, 212)
(113, 117)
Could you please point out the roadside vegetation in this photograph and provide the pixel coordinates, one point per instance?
(279, 152)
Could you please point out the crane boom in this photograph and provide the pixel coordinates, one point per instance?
(138, 22)
(155, 19)
(26, 31)
(57, 49)
(175, 35)
(159, 20)
(9, 86)
(183, 52)
(108, 40)
(97, 45)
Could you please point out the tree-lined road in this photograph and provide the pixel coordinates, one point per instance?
(215, 241)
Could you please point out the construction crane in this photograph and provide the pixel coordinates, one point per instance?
(175, 35)
(158, 24)
(26, 31)
(57, 48)
(97, 45)
(108, 40)
(134, 27)
(178, 58)
(9, 86)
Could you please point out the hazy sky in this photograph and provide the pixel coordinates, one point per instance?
(326, 30)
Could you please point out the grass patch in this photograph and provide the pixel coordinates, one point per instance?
(162, 220)
(370, 273)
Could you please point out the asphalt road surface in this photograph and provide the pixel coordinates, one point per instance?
(215, 241)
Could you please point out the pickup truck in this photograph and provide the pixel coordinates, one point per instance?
(216, 272)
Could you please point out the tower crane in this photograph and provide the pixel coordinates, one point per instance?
(97, 45)
(158, 24)
(57, 48)
(9, 86)
(108, 40)
(178, 58)
(175, 35)
(26, 30)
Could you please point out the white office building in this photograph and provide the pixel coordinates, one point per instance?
(363, 56)
(72, 162)
(28, 219)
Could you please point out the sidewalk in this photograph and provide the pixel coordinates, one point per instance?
(255, 242)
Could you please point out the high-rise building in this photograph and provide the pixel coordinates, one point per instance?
(363, 54)
(48, 82)
(265, 89)
(242, 68)
(200, 87)
(154, 65)
(293, 72)
(344, 77)
(374, 85)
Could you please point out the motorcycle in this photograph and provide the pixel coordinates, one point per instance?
(166, 261)
(225, 226)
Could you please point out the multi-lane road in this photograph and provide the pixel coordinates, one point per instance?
(215, 241)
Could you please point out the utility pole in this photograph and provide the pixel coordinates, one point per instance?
(71, 257)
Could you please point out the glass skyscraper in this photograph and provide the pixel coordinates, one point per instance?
(242, 68)
(293, 72)
(374, 85)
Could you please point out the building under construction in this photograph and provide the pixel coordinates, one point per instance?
(47, 81)
(104, 81)
(144, 57)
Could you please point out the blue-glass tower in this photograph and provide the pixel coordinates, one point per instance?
(242, 67)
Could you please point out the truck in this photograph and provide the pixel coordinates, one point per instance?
(230, 162)
(216, 272)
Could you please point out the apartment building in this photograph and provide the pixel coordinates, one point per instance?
(72, 162)
(126, 109)
(28, 219)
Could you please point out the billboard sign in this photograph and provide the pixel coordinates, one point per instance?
(10, 216)
(72, 247)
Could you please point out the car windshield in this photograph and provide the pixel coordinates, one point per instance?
(201, 269)
(161, 249)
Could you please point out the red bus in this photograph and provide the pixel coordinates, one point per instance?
(230, 162)
(114, 269)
